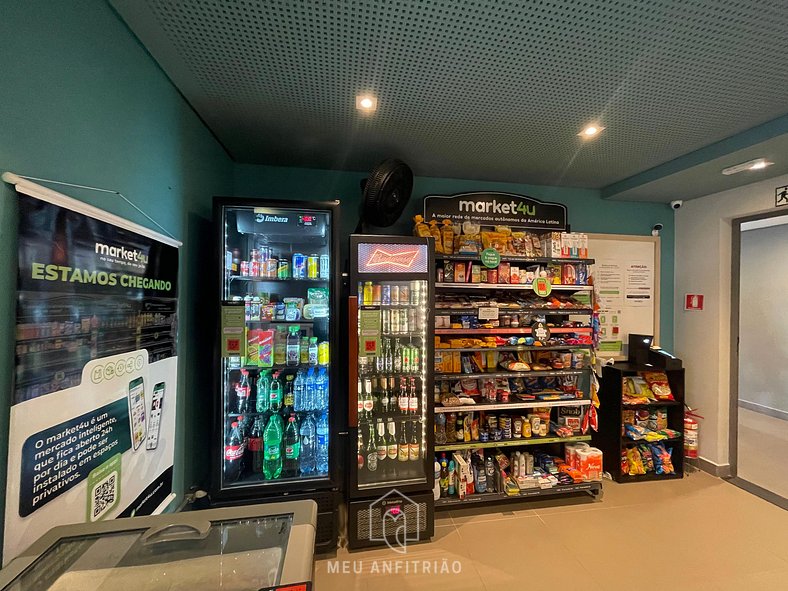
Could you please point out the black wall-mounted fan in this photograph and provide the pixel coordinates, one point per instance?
(385, 193)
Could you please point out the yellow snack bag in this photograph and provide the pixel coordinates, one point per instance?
(448, 237)
(436, 234)
(420, 228)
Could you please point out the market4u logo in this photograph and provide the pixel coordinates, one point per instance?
(121, 252)
(495, 206)
(402, 258)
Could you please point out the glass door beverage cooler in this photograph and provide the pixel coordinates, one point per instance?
(277, 419)
(390, 391)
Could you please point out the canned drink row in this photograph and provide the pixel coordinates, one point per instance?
(411, 293)
(302, 267)
(401, 321)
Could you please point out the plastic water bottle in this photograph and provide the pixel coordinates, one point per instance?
(310, 402)
(320, 387)
(299, 391)
(324, 405)
(272, 448)
(308, 451)
(322, 443)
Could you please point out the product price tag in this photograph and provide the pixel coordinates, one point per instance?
(491, 258)
(489, 313)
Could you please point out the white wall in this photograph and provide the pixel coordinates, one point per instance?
(763, 323)
(703, 265)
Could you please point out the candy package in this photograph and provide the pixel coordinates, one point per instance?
(658, 383)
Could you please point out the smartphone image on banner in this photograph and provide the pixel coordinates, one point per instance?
(137, 411)
(154, 424)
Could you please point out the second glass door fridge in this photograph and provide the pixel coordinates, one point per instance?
(390, 387)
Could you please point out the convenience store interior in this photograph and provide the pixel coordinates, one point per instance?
(169, 104)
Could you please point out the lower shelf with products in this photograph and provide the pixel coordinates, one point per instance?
(482, 476)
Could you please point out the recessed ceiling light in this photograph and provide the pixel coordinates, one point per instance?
(591, 131)
(366, 103)
(757, 164)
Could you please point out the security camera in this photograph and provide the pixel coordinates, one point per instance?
(655, 230)
(676, 204)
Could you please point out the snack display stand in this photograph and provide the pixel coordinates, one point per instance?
(615, 439)
(513, 355)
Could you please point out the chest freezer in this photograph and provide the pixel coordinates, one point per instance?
(249, 548)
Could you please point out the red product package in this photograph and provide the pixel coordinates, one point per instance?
(658, 383)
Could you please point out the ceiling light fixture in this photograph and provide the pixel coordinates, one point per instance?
(591, 131)
(757, 164)
(366, 103)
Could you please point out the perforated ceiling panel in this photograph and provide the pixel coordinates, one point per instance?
(471, 88)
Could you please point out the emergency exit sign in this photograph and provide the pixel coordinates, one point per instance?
(693, 301)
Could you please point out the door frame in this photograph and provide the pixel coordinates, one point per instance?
(733, 420)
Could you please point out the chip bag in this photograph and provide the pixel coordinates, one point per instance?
(635, 462)
(658, 384)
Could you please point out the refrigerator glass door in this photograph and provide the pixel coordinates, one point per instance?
(391, 400)
(278, 268)
(232, 555)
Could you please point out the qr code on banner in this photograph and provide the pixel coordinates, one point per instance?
(104, 496)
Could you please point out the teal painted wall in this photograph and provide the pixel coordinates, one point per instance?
(588, 212)
(82, 101)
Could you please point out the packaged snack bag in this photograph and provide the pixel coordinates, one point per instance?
(436, 234)
(447, 234)
(420, 228)
(635, 462)
(658, 383)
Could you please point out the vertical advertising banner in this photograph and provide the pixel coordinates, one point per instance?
(92, 421)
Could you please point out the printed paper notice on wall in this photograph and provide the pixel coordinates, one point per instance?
(639, 284)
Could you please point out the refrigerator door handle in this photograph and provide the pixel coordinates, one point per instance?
(352, 383)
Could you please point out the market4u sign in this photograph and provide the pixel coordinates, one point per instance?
(489, 208)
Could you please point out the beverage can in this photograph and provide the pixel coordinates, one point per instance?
(312, 266)
(271, 268)
(415, 293)
(244, 268)
(412, 315)
(395, 295)
(395, 321)
(254, 269)
(385, 321)
(283, 270)
(325, 268)
(385, 295)
(322, 353)
(299, 266)
(404, 294)
(403, 321)
(376, 293)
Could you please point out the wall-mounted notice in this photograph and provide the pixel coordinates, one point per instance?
(625, 274)
(92, 422)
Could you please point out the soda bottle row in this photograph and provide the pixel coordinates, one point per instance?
(393, 357)
(275, 449)
(387, 444)
(383, 396)
(307, 390)
(404, 293)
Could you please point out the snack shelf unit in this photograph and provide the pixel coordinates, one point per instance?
(510, 442)
(556, 315)
(610, 437)
(508, 286)
(512, 405)
(592, 488)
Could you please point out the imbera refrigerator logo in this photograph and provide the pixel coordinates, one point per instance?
(403, 259)
(121, 252)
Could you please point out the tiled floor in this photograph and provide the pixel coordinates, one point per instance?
(763, 446)
(698, 533)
